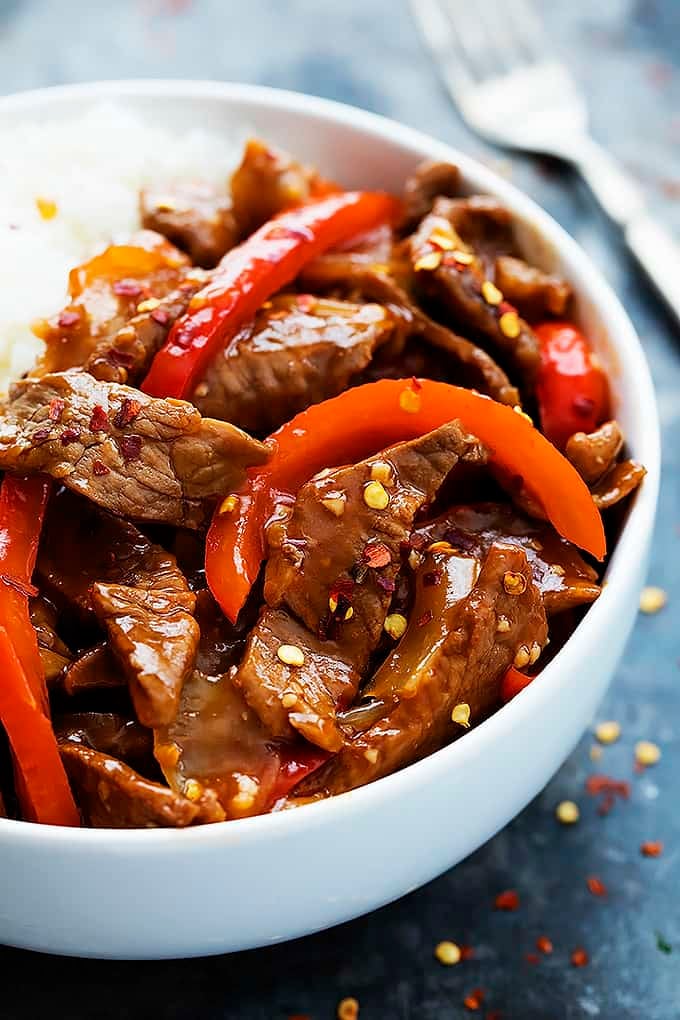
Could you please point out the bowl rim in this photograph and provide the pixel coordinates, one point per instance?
(633, 538)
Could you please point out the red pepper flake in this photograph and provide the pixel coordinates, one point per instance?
(544, 945)
(651, 848)
(474, 1000)
(532, 958)
(278, 233)
(425, 618)
(608, 790)
(596, 886)
(466, 952)
(494, 1014)
(306, 302)
(27, 590)
(121, 359)
(508, 900)
(40, 435)
(100, 469)
(343, 586)
(68, 319)
(161, 316)
(579, 958)
(416, 384)
(376, 555)
(583, 406)
(56, 410)
(126, 413)
(504, 307)
(449, 259)
(432, 578)
(99, 420)
(386, 583)
(70, 435)
(130, 447)
(127, 288)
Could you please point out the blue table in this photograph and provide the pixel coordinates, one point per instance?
(627, 57)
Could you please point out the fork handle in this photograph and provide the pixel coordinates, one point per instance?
(653, 246)
(659, 255)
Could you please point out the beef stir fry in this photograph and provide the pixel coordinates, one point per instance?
(292, 498)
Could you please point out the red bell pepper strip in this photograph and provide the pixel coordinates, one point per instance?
(512, 683)
(22, 508)
(572, 390)
(249, 274)
(365, 420)
(43, 789)
(295, 762)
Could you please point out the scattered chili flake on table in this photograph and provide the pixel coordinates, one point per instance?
(544, 945)
(662, 945)
(651, 848)
(579, 958)
(596, 886)
(532, 958)
(607, 789)
(474, 1000)
(508, 900)
(466, 952)
(494, 1014)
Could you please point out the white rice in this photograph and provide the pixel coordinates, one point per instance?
(92, 167)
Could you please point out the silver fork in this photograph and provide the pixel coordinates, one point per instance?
(497, 65)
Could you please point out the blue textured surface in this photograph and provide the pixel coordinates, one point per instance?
(626, 55)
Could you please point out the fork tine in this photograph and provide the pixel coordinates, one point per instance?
(438, 33)
(469, 33)
(527, 30)
(500, 42)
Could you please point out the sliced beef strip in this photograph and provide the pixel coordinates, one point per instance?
(618, 483)
(97, 669)
(195, 216)
(266, 182)
(96, 564)
(302, 697)
(105, 293)
(534, 293)
(457, 655)
(482, 223)
(486, 225)
(462, 289)
(298, 351)
(138, 456)
(152, 633)
(218, 744)
(109, 732)
(333, 562)
(54, 654)
(126, 355)
(353, 274)
(81, 544)
(429, 180)
(111, 795)
(559, 571)
(594, 453)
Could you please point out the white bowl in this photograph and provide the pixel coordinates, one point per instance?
(165, 893)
